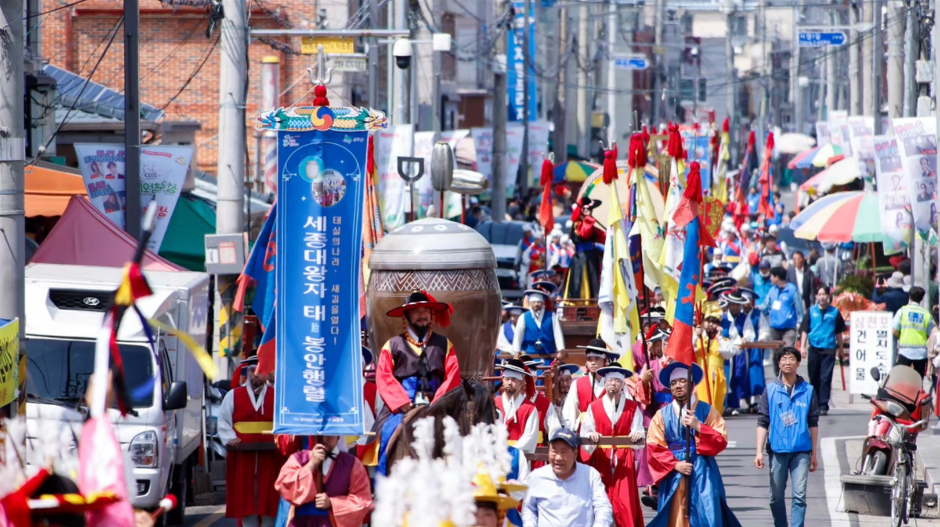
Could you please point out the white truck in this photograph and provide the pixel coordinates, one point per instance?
(65, 307)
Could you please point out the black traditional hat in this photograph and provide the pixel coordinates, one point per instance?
(421, 299)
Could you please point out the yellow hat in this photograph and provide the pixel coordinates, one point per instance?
(486, 491)
(510, 487)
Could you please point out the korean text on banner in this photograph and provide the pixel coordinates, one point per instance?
(319, 364)
(516, 67)
(894, 197)
(9, 353)
(917, 139)
(871, 344)
(163, 171)
(391, 144)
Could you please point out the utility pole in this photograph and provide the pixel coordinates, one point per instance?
(935, 55)
(855, 84)
(132, 212)
(500, 115)
(613, 127)
(12, 158)
(231, 156)
(656, 104)
(401, 98)
(910, 56)
(795, 76)
(831, 88)
(560, 114)
(584, 101)
(527, 61)
(374, 55)
(730, 90)
(866, 61)
(895, 60)
(877, 57)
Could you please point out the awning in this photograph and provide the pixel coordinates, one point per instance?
(184, 243)
(48, 190)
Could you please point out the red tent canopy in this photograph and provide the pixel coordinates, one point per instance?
(85, 236)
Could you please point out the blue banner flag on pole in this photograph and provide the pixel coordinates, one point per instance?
(318, 382)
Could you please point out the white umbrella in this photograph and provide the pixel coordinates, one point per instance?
(840, 173)
(793, 143)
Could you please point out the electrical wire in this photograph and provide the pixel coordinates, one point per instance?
(195, 72)
(65, 119)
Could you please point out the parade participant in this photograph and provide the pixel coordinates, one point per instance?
(517, 411)
(507, 333)
(716, 262)
(912, 324)
(821, 337)
(705, 505)
(560, 388)
(253, 461)
(742, 323)
(534, 257)
(711, 351)
(491, 504)
(730, 247)
(760, 279)
(557, 255)
(536, 332)
(416, 366)
(366, 452)
(585, 270)
(658, 298)
(784, 309)
(651, 396)
(325, 486)
(590, 386)
(615, 415)
(541, 402)
(566, 493)
(789, 418)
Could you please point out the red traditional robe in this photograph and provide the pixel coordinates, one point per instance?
(387, 373)
(616, 464)
(368, 454)
(250, 471)
(351, 496)
(542, 404)
(515, 424)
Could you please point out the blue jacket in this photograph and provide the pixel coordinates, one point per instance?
(893, 298)
(788, 416)
(823, 327)
(784, 307)
(544, 333)
(760, 285)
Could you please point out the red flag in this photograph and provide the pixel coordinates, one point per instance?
(546, 215)
(765, 206)
(690, 204)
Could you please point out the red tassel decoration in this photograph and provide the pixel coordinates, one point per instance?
(770, 142)
(693, 184)
(610, 165)
(442, 317)
(751, 140)
(636, 156)
(726, 125)
(674, 143)
(319, 96)
(546, 215)
(645, 135)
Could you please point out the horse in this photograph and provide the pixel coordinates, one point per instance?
(469, 405)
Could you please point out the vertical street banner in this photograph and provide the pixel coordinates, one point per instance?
(839, 131)
(894, 200)
(822, 133)
(483, 143)
(697, 148)
(424, 187)
(390, 144)
(163, 171)
(538, 149)
(514, 136)
(871, 344)
(861, 131)
(322, 171)
(516, 64)
(9, 356)
(917, 139)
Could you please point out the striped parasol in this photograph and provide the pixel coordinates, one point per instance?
(841, 217)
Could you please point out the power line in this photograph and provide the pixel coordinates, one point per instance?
(195, 72)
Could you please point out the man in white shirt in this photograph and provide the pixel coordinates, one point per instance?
(565, 493)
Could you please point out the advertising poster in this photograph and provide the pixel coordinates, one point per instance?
(697, 149)
(894, 199)
(9, 355)
(871, 344)
(861, 131)
(822, 133)
(163, 171)
(839, 131)
(917, 139)
(424, 187)
(514, 136)
(391, 143)
(515, 65)
(318, 384)
(538, 149)
(483, 143)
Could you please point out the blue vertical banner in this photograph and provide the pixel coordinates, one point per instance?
(516, 64)
(321, 171)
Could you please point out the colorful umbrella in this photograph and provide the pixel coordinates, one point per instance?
(803, 160)
(573, 171)
(841, 217)
(822, 156)
(811, 184)
(595, 188)
(840, 173)
(793, 143)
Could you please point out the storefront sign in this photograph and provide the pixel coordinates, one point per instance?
(871, 345)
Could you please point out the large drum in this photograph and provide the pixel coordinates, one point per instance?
(454, 264)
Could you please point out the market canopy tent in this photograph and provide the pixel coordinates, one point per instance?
(184, 243)
(49, 190)
(85, 236)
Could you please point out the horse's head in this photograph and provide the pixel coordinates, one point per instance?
(481, 406)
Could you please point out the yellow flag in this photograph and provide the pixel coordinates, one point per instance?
(199, 353)
(651, 230)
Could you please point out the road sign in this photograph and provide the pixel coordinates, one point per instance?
(331, 45)
(631, 62)
(353, 64)
(809, 39)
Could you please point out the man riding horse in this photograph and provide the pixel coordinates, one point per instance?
(416, 367)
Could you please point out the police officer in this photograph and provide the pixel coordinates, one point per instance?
(788, 416)
(912, 324)
(821, 332)
(784, 308)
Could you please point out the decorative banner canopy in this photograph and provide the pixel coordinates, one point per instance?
(322, 159)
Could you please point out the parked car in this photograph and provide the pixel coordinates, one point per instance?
(504, 238)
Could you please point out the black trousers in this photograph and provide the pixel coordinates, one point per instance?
(821, 364)
(920, 365)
